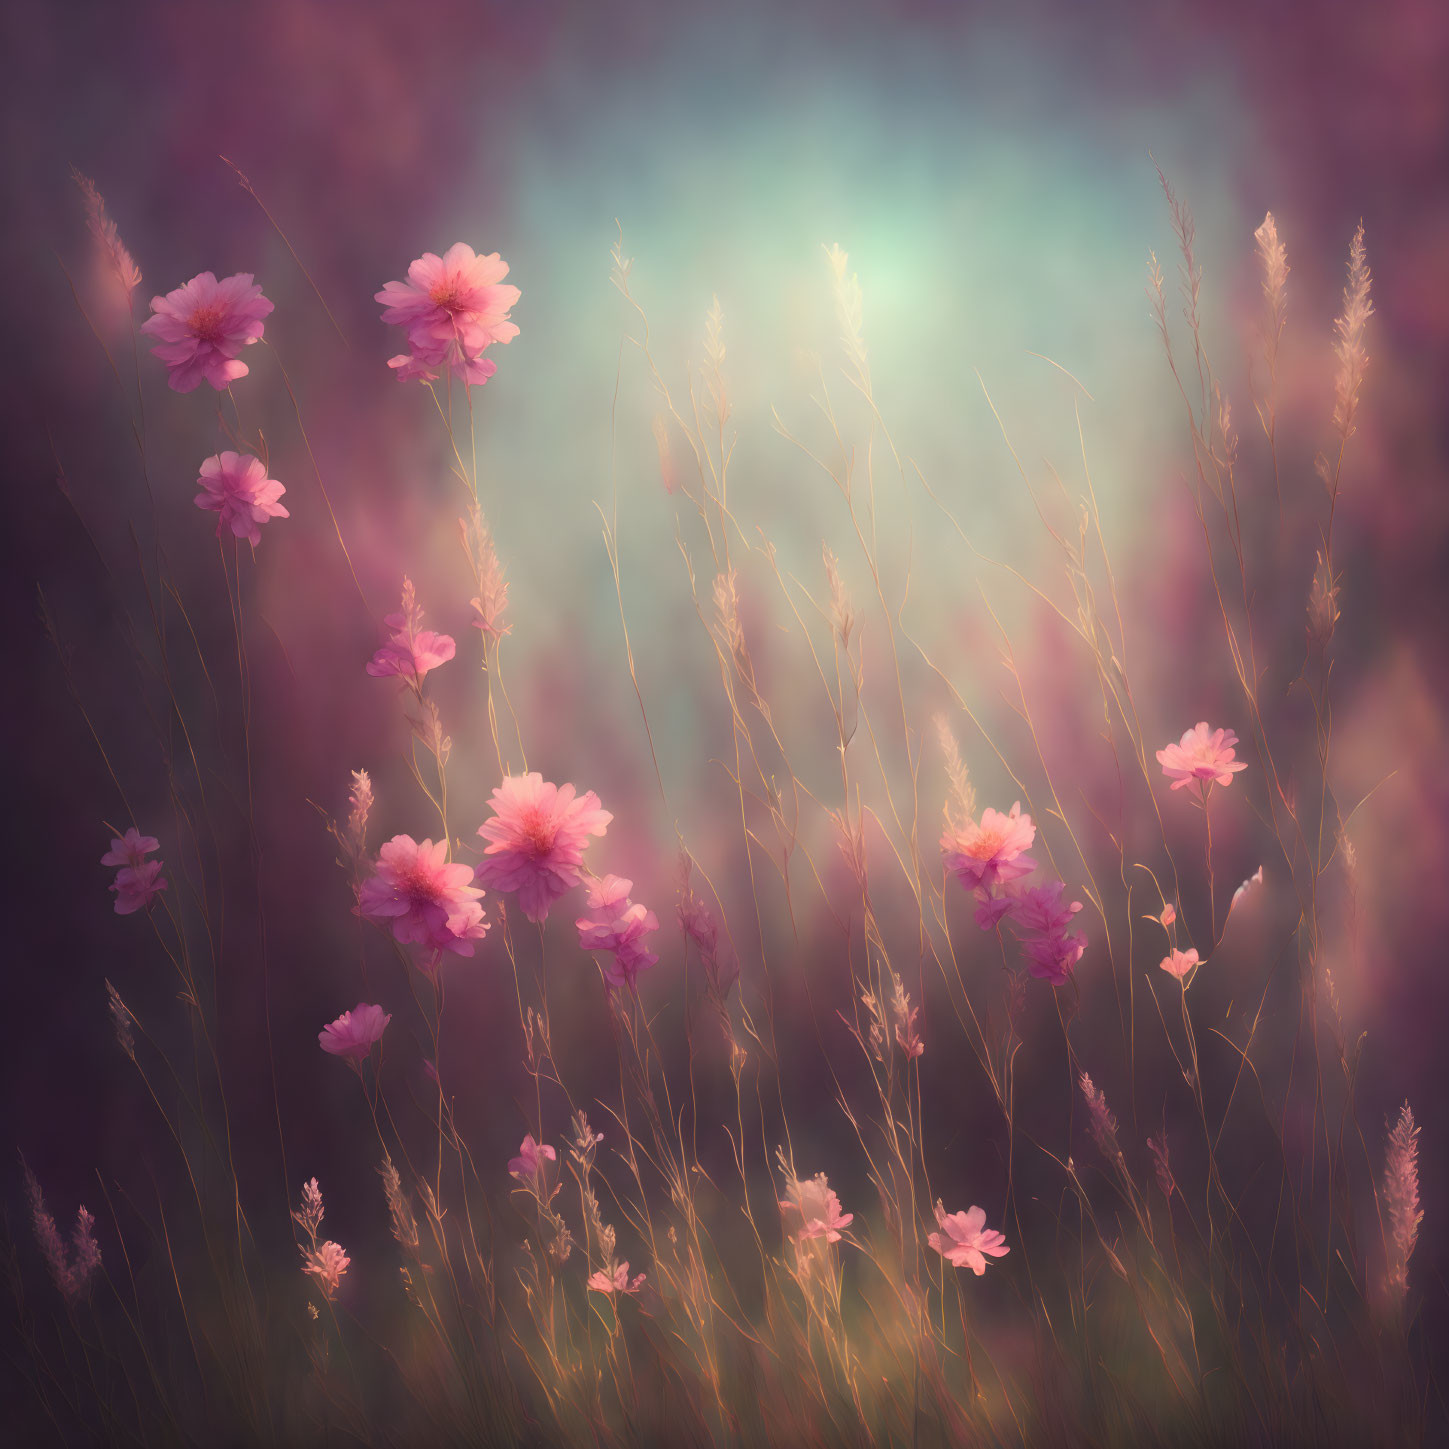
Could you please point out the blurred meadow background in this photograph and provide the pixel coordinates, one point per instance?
(992, 174)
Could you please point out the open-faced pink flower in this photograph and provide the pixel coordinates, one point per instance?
(1051, 958)
(536, 840)
(1179, 963)
(817, 1208)
(617, 925)
(990, 854)
(1201, 754)
(411, 651)
(201, 327)
(130, 849)
(237, 488)
(452, 308)
(965, 1241)
(137, 886)
(428, 899)
(616, 1281)
(326, 1262)
(354, 1032)
(528, 1166)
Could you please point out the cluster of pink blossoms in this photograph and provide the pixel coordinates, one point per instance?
(530, 1165)
(429, 900)
(1201, 756)
(201, 326)
(138, 881)
(453, 308)
(617, 925)
(411, 651)
(238, 489)
(990, 860)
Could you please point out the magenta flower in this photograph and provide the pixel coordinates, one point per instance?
(136, 886)
(452, 307)
(427, 899)
(991, 853)
(1040, 909)
(965, 1241)
(202, 326)
(818, 1209)
(617, 925)
(1179, 963)
(354, 1032)
(239, 490)
(616, 1281)
(411, 651)
(1201, 754)
(131, 849)
(536, 840)
(1051, 958)
(528, 1166)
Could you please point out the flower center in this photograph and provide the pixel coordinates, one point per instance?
(206, 322)
(536, 833)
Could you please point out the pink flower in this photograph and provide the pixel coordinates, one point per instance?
(452, 307)
(1201, 754)
(1051, 958)
(326, 1262)
(617, 925)
(1040, 909)
(537, 838)
(528, 1166)
(131, 849)
(1179, 963)
(239, 490)
(137, 886)
(616, 1281)
(412, 650)
(965, 1241)
(354, 1032)
(1168, 916)
(428, 900)
(818, 1209)
(991, 909)
(202, 326)
(991, 853)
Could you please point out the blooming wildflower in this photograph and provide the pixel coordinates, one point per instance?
(1051, 958)
(72, 1275)
(452, 307)
(238, 489)
(309, 1216)
(1201, 754)
(326, 1262)
(411, 651)
(991, 853)
(528, 1166)
(616, 1280)
(1401, 1200)
(427, 899)
(1179, 963)
(818, 1209)
(965, 1241)
(136, 886)
(200, 328)
(1100, 1121)
(1040, 909)
(536, 840)
(354, 1032)
(131, 849)
(617, 925)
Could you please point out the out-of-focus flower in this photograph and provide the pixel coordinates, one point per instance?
(1349, 328)
(428, 899)
(1322, 604)
(1179, 963)
(237, 488)
(326, 1262)
(817, 1207)
(1201, 754)
(354, 1032)
(528, 1166)
(492, 597)
(616, 1280)
(359, 801)
(982, 856)
(200, 328)
(107, 238)
(136, 886)
(1051, 958)
(965, 1241)
(536, 840)
(617, 925)
(1254, 880)
(71, 1269)
(130, 849)
(411, 651)
(1041, 910)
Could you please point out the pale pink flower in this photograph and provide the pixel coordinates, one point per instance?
(617, 925)
(354, 1032)
(1201, 754)
(201, 327)
(991, 853)
(428, 899)
(326, 1262)
(452, 307)
(617, 1280)
(818, 1209)
(130, 849)
(1168, 916)
(1179, 963)
(536, 840)
(136, 886)
(237, 488)
(965, 1241)
(528, 1166)
(411, 651)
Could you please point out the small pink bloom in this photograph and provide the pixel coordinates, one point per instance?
(428, 899)
(411, 651)
(1179, 963)
(616, 1281)
(965, 1241)
(201, 327)
(528, 1166)
(1051, 958)
(238, 489)
(536, 840)
(1169, 915)
(1201, 754)
(617, 925)
(327, 1262)
(354, 1032)
(818, 1209)
(131, 849)
(137, 886)
(991, 853)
